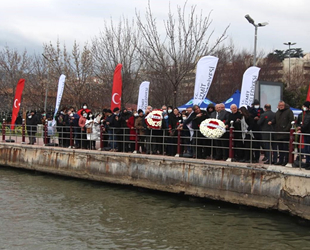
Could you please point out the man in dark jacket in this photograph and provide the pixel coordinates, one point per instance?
(267, 134)
(305, 128)
(201, 115)
(32, 122)
(221, 144)
(282, 124)
(256, 111)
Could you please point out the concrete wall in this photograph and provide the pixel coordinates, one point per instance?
(269, 187)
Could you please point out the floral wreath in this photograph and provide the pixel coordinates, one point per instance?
(154, 119)
(212, 128)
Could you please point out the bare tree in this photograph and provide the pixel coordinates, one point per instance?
(186, 40)
(119, 44)
(13, 66)
(81, 85)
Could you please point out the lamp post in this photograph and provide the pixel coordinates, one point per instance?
(289, 61)
(251, 21)
(50, 61)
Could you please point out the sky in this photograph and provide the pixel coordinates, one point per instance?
(28, 24)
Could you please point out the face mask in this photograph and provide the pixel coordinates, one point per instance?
(169, 111)
(44, 114)
(184, 117)
(304, 108)
(256, 106)
(90, 116)
(85, 107)
(85, 115)
(29, 116)
(136, 114)
(71, 114)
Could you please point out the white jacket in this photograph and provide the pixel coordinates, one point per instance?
(95, 135)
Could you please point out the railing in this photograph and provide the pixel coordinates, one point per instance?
(232, 146)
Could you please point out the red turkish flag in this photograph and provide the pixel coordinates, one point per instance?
(308, 95)
(17, 100)
(117, 88)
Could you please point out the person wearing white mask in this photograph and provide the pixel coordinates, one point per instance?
(304, 127)
(256, 111)
(84, 107)
(82, 121)
(92, 126)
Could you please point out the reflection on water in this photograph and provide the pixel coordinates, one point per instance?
(46, 212)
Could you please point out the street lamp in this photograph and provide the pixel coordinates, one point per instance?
(289, 61)
(50, 61)
(251, 21)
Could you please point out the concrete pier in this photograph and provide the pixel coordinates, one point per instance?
(269, 187)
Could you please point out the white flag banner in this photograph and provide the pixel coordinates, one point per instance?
(206, 67)
(61, 86)
(143, 98)
(249, 79)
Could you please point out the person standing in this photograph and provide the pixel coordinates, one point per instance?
(282, 124)
(221, 144)
(305, 128)
(201, 115)
(268, 135)
(140, 126)
(32, 122)
(256, 111)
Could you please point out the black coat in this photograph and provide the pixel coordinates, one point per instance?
(282, 123)
(263, 123)
(305, 127)
(199, 119)
(32, 123)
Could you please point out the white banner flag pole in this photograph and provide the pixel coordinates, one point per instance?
(206, 67)
(61, 86)
(143, 98)
(249, 79)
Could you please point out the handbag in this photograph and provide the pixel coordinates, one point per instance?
(89, 130)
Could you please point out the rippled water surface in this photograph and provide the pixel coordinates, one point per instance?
(40, 211)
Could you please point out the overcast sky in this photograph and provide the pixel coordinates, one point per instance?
(27, 24)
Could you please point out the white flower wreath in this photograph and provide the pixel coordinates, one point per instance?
(154, 119)
(212, 128)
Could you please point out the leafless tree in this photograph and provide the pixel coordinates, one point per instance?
(13, 66)
(119, 44)
(175, 56)
(81, 84)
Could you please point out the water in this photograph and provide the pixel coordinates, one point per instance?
(40, 211)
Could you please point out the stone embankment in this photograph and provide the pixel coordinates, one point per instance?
(268, 187)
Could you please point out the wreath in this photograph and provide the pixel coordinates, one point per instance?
(154, 119)
(212, 128)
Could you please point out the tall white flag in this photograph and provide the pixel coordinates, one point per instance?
(204, 75)
(61, 86)
(249, 79)
(143, 98)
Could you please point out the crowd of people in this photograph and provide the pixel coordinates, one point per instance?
(256, 130)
